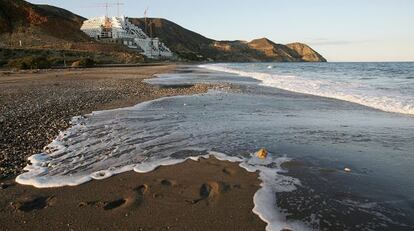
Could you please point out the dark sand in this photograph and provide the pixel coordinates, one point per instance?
(35, 106)
(205, 195)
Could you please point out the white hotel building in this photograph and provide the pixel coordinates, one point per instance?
(121, 29)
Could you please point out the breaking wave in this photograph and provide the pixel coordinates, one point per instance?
(347, 91)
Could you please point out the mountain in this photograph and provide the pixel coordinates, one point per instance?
(25, 21)
(305, 52)
(28, 31)
(276, 52)
(190, 44)
(44, 26)
(176, 37)
(26, 26)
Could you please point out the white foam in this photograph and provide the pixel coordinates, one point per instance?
(264, 199)
(146, 136)
(145, 167)
(330, 89)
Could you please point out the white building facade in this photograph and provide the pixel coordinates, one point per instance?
(121, 29)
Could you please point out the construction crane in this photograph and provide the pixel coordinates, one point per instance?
(118, 4)
(145, 20)
(107, 6)
(148, 24)
(151, 27)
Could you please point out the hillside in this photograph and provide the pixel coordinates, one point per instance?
(34, 24)
(191, 44)
(49, 27)
(176, 37)
(44, 26)
(306, 53)
(29, 30)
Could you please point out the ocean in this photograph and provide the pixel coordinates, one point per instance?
(339, 135)
(385, 86)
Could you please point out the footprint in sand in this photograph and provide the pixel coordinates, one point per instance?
(142, 189)
(229, 171)
(114, 204)
(38, 203)
(135, 198)
(210, 191)
(167, 182)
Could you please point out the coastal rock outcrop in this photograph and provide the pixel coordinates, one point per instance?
(306, 53)
(295, 52)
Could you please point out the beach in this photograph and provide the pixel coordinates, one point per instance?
(166, 116)
(179, 151)
(36, 105)
(202, 195)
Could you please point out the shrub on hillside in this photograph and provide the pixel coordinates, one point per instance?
(84, 62)
(2, 63)
(29, 62)
(190, 56)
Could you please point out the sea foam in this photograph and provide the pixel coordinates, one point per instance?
(351, 92)
(157, 133)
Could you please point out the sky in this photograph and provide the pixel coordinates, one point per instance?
(341, 30)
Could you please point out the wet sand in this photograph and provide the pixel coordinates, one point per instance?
(204, 195)
(34, 106)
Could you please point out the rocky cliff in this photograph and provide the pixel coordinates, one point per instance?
(306, 53)
(194, 46)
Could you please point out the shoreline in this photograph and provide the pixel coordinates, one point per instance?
(36, 106)
(207, 194)
(221, 192)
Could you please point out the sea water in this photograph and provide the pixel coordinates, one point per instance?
(311, 140)
(385, 86)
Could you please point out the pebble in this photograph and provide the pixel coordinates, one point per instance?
(34, 116)
(3, 186)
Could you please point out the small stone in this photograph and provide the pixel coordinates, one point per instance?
(262, 153)
(3, 186)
